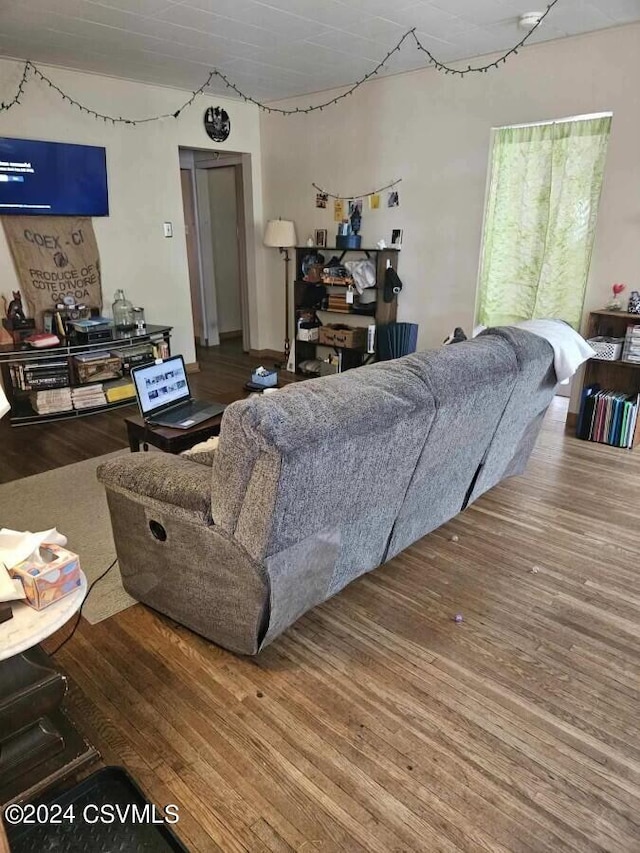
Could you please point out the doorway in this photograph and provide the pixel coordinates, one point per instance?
(214, 198)
(222, 187)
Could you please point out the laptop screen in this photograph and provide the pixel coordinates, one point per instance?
(161, 384)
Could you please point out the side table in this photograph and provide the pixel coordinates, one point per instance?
(168, 439)
(38, 743)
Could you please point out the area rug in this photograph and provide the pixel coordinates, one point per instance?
(71, 499)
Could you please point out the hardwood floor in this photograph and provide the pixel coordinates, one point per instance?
(377, 723)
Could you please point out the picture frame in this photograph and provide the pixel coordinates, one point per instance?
(321, 238)
(396, 237)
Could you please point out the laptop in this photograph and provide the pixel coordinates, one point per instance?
(164, 396)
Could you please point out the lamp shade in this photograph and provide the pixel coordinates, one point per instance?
(280, 233)
(4, 405)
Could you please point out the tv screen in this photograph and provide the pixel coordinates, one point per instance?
(52, 179)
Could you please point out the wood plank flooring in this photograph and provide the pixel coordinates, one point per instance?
(377, 723)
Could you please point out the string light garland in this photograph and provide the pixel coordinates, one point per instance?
(433, 61)
(447, 69)
(329, 103)
(30, 68)
(116, 119)
(358, 195)
(16, 98)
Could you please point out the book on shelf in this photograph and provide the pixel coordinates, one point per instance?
(609, 417)
(96, 355)
(122, 389)
(92, 324)
(631, 348)
(160, 349)
(29, 377)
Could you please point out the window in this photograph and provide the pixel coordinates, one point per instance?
(540, 219)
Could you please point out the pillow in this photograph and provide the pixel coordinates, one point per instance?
(203, 452)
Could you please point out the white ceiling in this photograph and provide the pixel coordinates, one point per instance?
(276, 48)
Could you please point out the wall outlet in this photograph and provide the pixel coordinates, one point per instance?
(168, 229)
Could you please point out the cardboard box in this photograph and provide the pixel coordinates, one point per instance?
(308, 334)
(347, 337)
(58, 575)
(98, 370)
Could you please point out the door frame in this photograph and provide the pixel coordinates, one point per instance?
(198, 158)
(240, 163)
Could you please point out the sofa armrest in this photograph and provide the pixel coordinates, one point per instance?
(162, 477)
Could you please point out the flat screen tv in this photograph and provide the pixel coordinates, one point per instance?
(52, 179)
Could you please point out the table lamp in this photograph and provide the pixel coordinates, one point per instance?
(281, 234)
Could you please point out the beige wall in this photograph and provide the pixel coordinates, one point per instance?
(433, 131)
(144, 184)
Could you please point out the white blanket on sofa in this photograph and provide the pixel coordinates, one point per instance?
(570, 348)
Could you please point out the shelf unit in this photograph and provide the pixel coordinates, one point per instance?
(10, 355)
(622, 376)
(616, 375)
(379, 312)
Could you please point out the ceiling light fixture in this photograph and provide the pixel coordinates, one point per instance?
(530, 20)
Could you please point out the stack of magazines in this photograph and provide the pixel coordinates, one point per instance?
(88, 397)
(609, 417)
(52, 402)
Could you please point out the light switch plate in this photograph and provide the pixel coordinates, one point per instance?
(168, 229)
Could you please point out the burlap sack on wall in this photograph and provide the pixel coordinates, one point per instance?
(54, 256)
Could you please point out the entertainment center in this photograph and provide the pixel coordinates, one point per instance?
(25, 371)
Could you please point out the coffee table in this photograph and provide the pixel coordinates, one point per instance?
(38, 744)
(168, 439)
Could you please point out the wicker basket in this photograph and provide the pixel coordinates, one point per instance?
(607, 349)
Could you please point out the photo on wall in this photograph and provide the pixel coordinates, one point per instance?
(321, 237)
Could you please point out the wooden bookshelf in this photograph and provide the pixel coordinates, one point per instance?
(615, 375)
(378, 312)
(620, 376)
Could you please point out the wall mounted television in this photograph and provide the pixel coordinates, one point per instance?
(52, 179)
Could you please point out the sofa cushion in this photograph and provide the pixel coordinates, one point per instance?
(521, 419)
(471, 383)
(330, 457)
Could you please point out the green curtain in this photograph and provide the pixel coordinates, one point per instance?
(540, 221)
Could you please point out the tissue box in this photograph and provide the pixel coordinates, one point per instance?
(267, 380)
(46, 582)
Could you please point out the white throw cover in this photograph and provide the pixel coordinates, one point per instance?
(570, 348)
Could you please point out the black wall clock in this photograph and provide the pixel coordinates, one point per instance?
(217, 123)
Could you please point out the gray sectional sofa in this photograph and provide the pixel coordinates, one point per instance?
(325, 480)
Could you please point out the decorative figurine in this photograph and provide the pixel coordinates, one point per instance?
(16, 323)
(614, 304)
(15, 311)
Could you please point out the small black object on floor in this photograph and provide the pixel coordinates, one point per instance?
(253, 386)
(108, 788)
